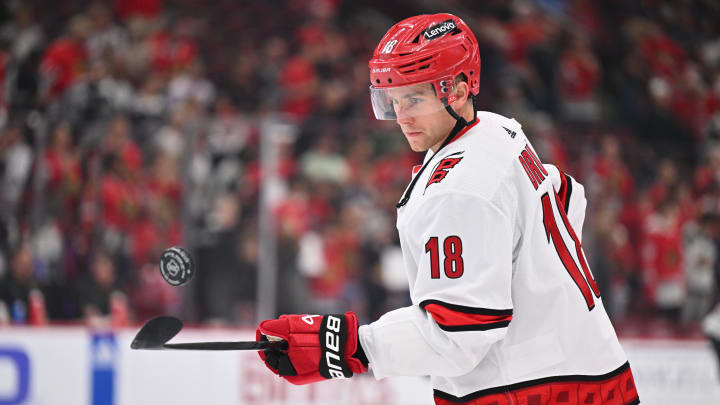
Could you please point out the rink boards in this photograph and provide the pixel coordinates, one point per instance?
(75, 365)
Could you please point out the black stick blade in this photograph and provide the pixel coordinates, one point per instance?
(156, 332)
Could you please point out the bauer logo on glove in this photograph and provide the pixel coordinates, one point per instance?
(333, 366)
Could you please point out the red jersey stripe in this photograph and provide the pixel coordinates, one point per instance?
(458, 318)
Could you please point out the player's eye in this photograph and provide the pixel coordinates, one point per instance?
(415, 100)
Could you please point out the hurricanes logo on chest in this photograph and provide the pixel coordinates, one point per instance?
(442, 169)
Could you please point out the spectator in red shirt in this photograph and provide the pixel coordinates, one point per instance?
(664, 56)
(156, 227)
(579, 77)
(158, 224)
(120, 198)
(65, 60)
(175, 50)
(665, 183)
(292, 211)
(689, 99)
(64, 176)
(119, 187)
(299, 81)
(529, 28)
(153, 296)
(612, 175)
(341, 253)
(120, 143)
(163, 182)
(662, 259)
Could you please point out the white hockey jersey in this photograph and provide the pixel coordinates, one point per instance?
(505, 309)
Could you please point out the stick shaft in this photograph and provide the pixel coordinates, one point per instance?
(226, 346)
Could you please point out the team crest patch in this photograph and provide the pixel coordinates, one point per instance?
(443, 168)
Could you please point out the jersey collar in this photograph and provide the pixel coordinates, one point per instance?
(464, 130)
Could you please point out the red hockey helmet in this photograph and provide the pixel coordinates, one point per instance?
(430, 49)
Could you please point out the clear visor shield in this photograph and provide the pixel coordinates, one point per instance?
(406, 101)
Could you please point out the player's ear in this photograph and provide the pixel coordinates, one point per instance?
(462, 92)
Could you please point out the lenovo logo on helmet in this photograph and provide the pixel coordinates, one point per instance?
(438, 30)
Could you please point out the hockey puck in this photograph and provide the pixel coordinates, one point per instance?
(176, 266)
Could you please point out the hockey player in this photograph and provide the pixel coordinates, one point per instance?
(505, 309)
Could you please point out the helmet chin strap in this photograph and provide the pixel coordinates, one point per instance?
(459, 126)
(455, 115)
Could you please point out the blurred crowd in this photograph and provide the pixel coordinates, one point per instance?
(129, 126)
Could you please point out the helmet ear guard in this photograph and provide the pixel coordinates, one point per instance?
(444, 88)
(452, 91)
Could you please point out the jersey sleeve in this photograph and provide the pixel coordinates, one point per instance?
(571, 195)
(462, 303)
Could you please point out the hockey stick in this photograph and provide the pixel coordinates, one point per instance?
(157, 331)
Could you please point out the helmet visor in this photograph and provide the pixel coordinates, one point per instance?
(405, 101)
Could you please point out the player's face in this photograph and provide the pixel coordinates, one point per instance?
(421, 116)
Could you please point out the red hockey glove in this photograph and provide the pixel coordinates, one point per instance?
(319, 347)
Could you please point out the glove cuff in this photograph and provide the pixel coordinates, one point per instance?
(354, 353)
(360, 355)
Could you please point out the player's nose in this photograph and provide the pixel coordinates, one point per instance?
(404, 119)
